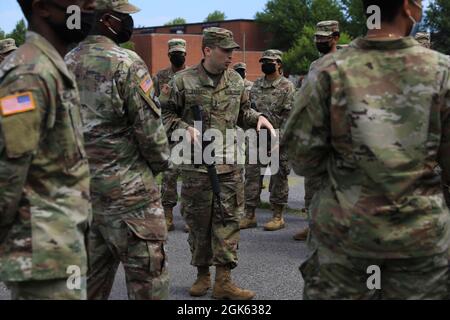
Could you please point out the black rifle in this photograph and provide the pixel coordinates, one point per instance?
(212, 170)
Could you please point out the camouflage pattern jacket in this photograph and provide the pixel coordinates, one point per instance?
(162, 79)
(273, 99)
(125, 139)
(224, 107)
(374, 125)
(44, 174)
(248, 85)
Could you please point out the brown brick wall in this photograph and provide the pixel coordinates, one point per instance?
(153, 49)
(256, 38)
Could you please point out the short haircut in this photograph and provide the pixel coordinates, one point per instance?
(389, 9)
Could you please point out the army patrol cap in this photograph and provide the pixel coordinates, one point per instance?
(240, 65)
(219, 37)
(120, 6)
(177, 45)
(423, 38)
(327, 28)
(7, 45)
(272, 55)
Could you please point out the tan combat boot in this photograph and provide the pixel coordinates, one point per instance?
(202, 284)
(302, 235)
(277, 222)
(249, 221)
(225, 289)
(168, 212)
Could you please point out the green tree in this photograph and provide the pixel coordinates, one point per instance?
(322, 10)
(299, 58)
(18, 33)
(176, 21)
(286, 19)
(355, 21)
(216, 16)
(438, 21)
(2, 34)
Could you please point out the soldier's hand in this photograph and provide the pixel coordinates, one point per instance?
(194, 135)
(264, 123)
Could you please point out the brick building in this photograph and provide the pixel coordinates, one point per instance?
(151, 43)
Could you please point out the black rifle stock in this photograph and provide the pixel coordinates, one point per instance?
(212, 170)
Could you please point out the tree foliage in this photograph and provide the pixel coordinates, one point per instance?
(216, 16)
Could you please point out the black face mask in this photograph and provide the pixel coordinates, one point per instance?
(126, 30)
(241, 73)
(177, 60)
(268, 68)
(323, 47)
(75, 35)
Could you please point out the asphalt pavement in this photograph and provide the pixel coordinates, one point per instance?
(268, 261)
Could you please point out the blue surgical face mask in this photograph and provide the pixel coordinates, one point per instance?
(416, 24)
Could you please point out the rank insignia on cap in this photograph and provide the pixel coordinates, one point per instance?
(146, 84)
(17, 103)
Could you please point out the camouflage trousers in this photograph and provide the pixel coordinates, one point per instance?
(279, 185)
(169, 188)
(211, 243)
(57, 289)
(137, 240)
(333, 276)
(312, 186)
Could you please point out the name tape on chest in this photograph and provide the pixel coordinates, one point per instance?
(17, 103)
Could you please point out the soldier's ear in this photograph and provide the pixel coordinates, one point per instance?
(407, 8)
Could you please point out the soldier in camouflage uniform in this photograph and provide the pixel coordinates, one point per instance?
(127, 147)
(424, 38)
(374, 126)
(326, 37)
(220, 91)
(272, 96)
(7, 46)
(177, 56)
(241, 68)
(44, 174)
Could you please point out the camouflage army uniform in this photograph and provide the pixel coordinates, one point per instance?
(325, 29)
(274, 100)
(247, 83)
(44, 174)
(127, 146)
(375, 139)
(7, 46)
(225, 107)
(170, 178)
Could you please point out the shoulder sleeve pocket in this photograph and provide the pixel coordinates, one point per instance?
(21, 133)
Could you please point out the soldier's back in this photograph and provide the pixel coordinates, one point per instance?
(386, 109)
(112, 83)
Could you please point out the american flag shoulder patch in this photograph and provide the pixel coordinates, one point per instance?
(17, 103)
(146, 84)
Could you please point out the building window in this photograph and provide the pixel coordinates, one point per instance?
(178, 29)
